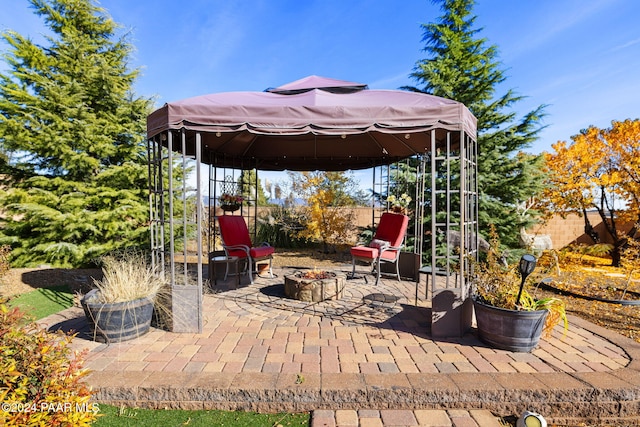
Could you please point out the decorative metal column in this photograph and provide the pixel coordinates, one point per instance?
(454, 233)
(176, 227)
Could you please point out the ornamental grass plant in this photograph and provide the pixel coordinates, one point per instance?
(128, 277)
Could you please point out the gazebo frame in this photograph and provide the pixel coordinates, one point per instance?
(442, 141)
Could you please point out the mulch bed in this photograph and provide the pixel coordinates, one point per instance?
(624, 319)
(22, 280)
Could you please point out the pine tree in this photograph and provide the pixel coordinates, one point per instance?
(247, 183)
(462, 67)
(74, 137)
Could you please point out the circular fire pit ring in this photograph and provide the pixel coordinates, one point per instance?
(314, 286)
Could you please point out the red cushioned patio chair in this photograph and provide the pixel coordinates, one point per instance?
(385, 246)
(237, 242)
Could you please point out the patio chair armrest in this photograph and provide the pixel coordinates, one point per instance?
(244, 248)
(389, 248)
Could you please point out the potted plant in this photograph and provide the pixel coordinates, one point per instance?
(507, 316)
(120, 307)
(399, 204)
(230, 202)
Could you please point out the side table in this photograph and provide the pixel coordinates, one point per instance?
(222, 265)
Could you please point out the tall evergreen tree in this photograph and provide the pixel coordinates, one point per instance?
(248, 182)
(460, 66)
(74, 136)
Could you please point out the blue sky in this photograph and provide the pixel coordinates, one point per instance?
(581, 57)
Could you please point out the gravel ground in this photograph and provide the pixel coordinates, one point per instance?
(21, 280)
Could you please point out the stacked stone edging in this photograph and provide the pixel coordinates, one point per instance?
(566, 406)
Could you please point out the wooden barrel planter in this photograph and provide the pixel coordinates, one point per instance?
(120, 321)
(512, 330)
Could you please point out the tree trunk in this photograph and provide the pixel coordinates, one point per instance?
(610, 225)
(616, 255)
(634, 229)
(588, 228)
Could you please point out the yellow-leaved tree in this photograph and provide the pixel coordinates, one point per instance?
(599, 169)
(327, 196)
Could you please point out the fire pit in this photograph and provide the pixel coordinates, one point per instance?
(314, 285)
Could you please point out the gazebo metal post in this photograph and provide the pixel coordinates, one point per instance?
(451, 235)
(199, 221)
(169, 224)
(172, 245)
(156, 201)
(373, 195)
(471, 202)
(381, 186)
(419, 211)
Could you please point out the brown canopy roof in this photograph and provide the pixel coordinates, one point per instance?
(314, 123)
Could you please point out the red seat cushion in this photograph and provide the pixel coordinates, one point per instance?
(364, 252)
(372, 253)
(261, 251)
(391, 255)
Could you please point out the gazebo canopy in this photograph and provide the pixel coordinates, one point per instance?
(314, 123)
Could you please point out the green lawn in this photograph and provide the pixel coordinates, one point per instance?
(124, 417)
(44, 301)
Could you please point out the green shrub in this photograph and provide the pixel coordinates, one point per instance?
(40, 378)
(365, 234)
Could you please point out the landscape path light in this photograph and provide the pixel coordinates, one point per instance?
(531, 419)
(526, 266)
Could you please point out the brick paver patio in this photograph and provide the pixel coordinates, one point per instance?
(367, 359)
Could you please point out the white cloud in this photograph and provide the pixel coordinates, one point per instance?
(626, 45)
(392, 82)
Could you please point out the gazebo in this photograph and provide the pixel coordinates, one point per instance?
(316, 123)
